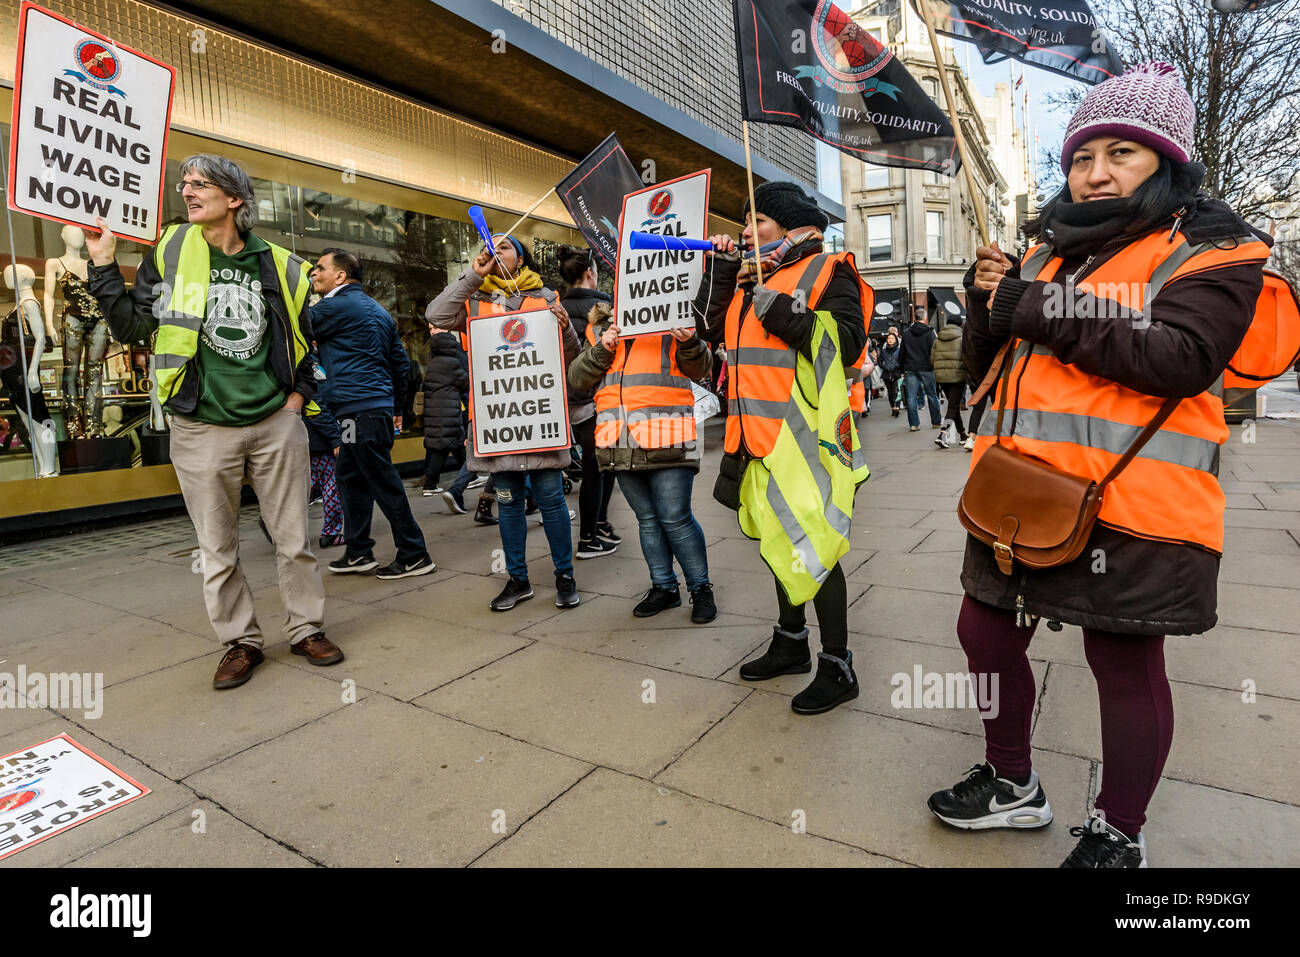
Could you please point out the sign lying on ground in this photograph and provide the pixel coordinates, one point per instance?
(654, 290)
(53, 786)
(89, 134)
(518, 399)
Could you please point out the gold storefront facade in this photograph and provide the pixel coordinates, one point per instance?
(334, 162)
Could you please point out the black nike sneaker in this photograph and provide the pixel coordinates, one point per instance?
(985, 800)
(1101, 845)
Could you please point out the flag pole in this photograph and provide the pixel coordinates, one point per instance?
(531, 209)
(753, 206)
(976, 199)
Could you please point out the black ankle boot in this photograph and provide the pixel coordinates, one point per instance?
(834, 684)
(483, 514)
(786, 655)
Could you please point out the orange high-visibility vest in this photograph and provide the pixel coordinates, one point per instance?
(644, 395)
(1082, 423)
(760, 366)
(1272, 345)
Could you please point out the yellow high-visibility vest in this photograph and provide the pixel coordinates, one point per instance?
(182, 260)
(798, 499)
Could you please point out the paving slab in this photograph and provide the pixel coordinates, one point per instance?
(165, 797)
(1191, 825)
(1258, 606)
(186, 839)
(1219, 740)
(464, 599)
(601, 612)
(588, 706)
(613, 820)
(383, 784)
(704, 650)
(39, 613)
(1272, 540)
(404, 655)
(906, 613)
(187, 612)
(928, 572)
(174, 720)
(863, 780)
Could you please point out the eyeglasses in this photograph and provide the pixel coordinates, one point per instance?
(196, 183)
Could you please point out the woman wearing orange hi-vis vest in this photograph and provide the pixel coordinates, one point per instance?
(1106, 348)
(766, 328)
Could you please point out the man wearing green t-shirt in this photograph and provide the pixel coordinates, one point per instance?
(234, 370)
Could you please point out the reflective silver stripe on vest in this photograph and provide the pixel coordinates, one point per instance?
(1216, 387)
(171, 266)
(794, 531)
(631, 379)
(165, 360)
(760, 408)
(293, 273)
(1115, 437)
(809, 278)
(757, 356)
(1034, 264)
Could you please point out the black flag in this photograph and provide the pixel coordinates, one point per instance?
(1057, 35)
(805, 63)
(593, 194)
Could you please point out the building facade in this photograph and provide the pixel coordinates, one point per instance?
(914, 232)
(376, 133)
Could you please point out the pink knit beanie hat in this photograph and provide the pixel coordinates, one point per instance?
(1147, 104)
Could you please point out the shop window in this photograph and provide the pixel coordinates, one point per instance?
(934, 236)
(880, 239)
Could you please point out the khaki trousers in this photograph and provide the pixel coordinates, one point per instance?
(210, 461)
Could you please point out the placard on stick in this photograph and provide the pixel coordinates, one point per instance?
(518, 398)
(654, 290)
(89, 133)
(53, 786)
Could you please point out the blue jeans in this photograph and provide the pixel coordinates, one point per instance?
(548, 491)
(661, 499)
(464, 477)
(913, 381)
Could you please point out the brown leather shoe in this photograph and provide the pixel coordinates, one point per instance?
(318, 649)
(237, 666)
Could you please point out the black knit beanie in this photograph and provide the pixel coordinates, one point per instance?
(788, 205)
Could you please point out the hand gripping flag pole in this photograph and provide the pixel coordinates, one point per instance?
(753, 206)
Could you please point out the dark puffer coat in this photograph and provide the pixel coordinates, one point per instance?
(446, 385)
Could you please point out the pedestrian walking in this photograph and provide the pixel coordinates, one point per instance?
(645, 433)
(504, 279)
(446, 390)
(234, 381)
(784, 340)
(918, 372)
(323, 442)
(366, 375)
(891, 370)
(596, 536)
(1082, 375)
(950, 375)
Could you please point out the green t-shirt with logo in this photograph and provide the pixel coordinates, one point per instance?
(238, 385)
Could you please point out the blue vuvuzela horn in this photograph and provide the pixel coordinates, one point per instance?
(480, 223)
(656, 241)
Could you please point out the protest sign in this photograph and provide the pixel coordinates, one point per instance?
(89, 133)
(518, 398)
(595, 190)
(53, 786)
(654, 290)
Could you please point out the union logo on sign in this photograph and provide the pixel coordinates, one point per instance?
(99, 61)
(16, 799)
(660, 203)
(514, 330)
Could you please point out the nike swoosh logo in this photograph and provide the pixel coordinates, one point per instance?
(994, 806)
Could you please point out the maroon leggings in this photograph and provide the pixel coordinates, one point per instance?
(1137, 709)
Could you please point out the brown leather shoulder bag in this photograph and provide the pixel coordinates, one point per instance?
(1028, 511)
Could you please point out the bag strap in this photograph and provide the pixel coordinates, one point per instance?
(1166, 410)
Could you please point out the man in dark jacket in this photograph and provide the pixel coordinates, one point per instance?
(234, 388)
(918, 372)
(366, 370)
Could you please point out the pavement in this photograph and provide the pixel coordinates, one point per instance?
(453, 736)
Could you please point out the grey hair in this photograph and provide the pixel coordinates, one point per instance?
(233, 181)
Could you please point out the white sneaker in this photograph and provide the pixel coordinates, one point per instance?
(540, 520)
(969, 444)
(941, 441)
(477, 483)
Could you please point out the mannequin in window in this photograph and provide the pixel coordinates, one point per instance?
(22, 340)
(85, 336)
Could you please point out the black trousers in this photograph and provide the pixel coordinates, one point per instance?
(366, 475)
(832, 605)
(435, 460)
(954, 392)
(597, 486)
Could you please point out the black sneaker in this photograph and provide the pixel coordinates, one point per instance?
(605, 532)
(656, 600)
(595, 548)
(985, 800)
(346, 565)
(514, 592)
(834, 684)
(455, 502)
(566, 592)
(786, 654)
(1101, 845)
(703, 608)
(422, 566)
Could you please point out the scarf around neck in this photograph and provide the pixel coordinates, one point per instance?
(774, 253)
(525, 280)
